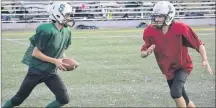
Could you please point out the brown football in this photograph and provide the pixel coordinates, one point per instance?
(72, 64)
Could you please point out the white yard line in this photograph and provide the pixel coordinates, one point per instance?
(17, 42)
(84, 37)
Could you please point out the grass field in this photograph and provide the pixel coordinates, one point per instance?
(111, 72)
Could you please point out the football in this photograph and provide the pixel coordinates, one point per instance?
(72, 64)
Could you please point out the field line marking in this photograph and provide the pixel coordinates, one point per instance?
(83, 37)
(98, 31)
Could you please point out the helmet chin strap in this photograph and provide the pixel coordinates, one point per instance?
(69, 23)
(160, 26)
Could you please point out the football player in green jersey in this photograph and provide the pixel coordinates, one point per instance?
(44, 57)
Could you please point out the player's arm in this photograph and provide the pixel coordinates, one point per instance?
(148, 51)
(147, 48)
(40, 41)
(202, 52)
(192, 40)
(38, 54)
(205, 62)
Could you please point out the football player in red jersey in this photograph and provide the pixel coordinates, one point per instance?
(169, 41)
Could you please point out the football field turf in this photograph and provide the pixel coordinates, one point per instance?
(111, 71)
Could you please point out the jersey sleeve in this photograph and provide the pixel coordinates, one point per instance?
(40, 39)
(146, 39)
(69, 40)
(190, 38)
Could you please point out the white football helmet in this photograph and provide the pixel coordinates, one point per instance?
(61, 12)
(163, 8)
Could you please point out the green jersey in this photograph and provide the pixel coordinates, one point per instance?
(51, 42)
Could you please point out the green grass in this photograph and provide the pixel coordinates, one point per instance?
(111, 72)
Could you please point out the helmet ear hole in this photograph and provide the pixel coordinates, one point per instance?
(58, 16)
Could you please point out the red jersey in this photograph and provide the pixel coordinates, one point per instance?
(171, 50)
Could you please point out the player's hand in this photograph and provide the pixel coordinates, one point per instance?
(206, 65)
(59, 64)
(148, 51)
